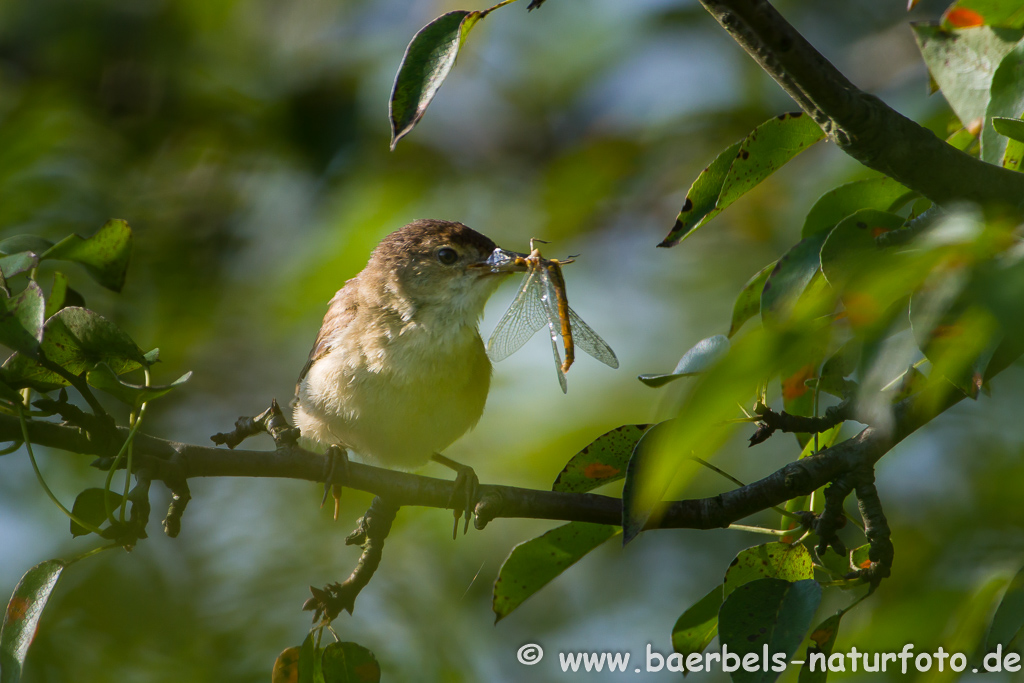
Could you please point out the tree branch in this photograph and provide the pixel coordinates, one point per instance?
(174, 463)
(861, 124)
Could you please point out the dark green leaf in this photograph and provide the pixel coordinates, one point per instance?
(19, 243)
(699, 206)
(16, 264)
(1007, 100)
(102, 377)
(1011, 128)
(533, 564)
(770, 560)
(90, 508)
(22, 616)
(824, 638)
(703, 355)
(748, 303)
(764, 151)
(1009, 617)
(58, 294)
(767, 614)
(698, 625)
(963, 62)
(310, 670)
(349, 663)
(105, 255)
(882, 193)
(21, 320)
(77, 339)
(790, 277)
(601, 462)
(428, 60)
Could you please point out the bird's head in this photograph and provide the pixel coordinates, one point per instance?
(437, 265)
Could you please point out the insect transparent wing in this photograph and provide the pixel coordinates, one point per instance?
(588, 340)
(521, 321)
(558, 359)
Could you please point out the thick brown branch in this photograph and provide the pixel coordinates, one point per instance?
(861, 124)
(174, 462)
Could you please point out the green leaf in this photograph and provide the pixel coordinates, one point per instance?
(533, 564)
(644, 453)
(1014, 130)
(838, 367)
(882, 193)
(349, 663)
(601, 462)
(1005, 13)
(1007, 101)
(699, 358)
(105, 255)
(16, 264)
(748, 303)
(89, 507)
(102, 377)
(428, 60)
(766, 149)
(790, 277)
(771, 560)
(1009, 617)
(77, 339)
(699, 206)
(310, 670)
(698, 625)
(767, 614)
(20, 243)
(866, 275)
(1011, 128)
(58, 294)
(22, 617)
(21, 320)
(963, 62)
(824, 638)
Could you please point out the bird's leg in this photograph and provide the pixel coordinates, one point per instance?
(336, 457)
(465, 492)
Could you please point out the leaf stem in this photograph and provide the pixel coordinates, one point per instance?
(42, 482)
(487, 11)
(758, 530)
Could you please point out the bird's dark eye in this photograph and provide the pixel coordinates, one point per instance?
(447, 255)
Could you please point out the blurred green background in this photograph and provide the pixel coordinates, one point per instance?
(247, 145)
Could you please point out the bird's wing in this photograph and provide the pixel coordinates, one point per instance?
(589, 341)
(340, 313)
(521, 321)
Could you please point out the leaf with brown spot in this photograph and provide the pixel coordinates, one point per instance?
(21, 618)
(603, 461)
(824, 638)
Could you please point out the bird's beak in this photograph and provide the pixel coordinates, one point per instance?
(501, 261)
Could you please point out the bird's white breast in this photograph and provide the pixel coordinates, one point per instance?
(396, 391)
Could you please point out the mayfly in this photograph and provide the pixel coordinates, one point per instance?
(541, 301)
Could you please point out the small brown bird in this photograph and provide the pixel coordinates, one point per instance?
(399, 371)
